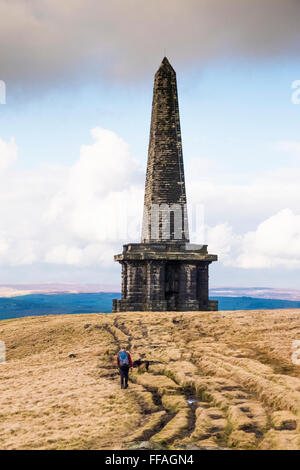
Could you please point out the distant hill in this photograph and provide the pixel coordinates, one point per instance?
(257, 292)
(58, 304)
(13, 290)
(55, 304)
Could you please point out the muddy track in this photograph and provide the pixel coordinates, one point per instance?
(188, 393)
(112, 374)
(191, 405)
(207, 420)
(149, 433)
(192, 401)
(245, 396)
(116, 340)
(158, 402)
(144, 329)
(124, 330)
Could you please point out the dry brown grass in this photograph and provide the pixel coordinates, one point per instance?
(217, 379)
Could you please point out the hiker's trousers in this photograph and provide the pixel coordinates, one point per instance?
(124, 375)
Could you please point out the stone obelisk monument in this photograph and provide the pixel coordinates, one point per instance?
(165, 272)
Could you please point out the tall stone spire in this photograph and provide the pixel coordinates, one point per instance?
(165, 214)
(165, 272)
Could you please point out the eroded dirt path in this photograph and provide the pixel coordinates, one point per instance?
(205, 393)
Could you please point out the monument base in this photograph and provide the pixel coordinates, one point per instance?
(168, 276)
(162, 306)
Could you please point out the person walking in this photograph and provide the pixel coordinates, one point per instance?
(124, 361)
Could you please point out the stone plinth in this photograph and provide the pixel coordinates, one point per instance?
(163, 277)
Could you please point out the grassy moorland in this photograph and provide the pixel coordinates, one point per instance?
(216, 380)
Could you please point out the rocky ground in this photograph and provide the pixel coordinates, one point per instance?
(216, 380)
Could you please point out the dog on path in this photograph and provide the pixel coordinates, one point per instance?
(141, 364)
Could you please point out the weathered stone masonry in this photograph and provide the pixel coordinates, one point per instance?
(165, 272)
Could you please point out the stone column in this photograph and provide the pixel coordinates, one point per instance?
(191, 282)
(124, 280)
(155, 281)
(182, 294)
(202, 284)
(136, 276)
(187, 298)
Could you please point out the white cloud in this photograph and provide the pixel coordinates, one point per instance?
(103, 190)
(80, 216)
(243, 204)
(77, 216)
(253, 225)
(92, 254)
(103, 167)
(275, 242)
(222, 241)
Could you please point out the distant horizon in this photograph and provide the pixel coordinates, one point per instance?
(19, 289)
(117, 286)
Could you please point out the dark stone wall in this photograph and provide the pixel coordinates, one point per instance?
(136, 281)
(155, 281)
(163, 285)
(124, 280)
(202, 284)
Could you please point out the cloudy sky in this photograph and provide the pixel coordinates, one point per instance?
(75, 127)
